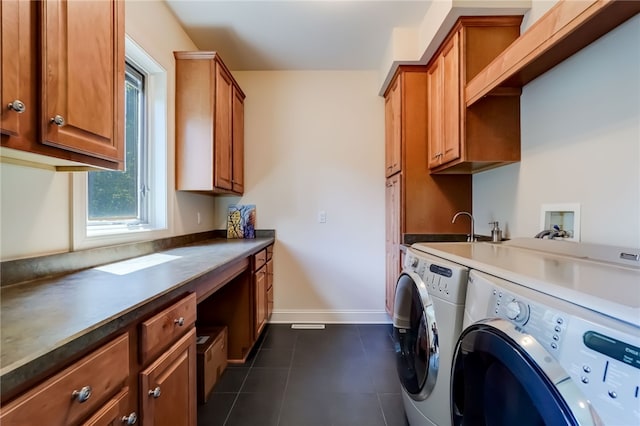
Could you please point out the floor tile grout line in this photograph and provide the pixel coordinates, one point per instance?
(286, 385)
(384, 417)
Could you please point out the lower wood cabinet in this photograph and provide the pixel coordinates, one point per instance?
(168, 386)
(147, 373)
(80, 391)
(115, 412)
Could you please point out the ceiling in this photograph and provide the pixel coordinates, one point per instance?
(297, 35)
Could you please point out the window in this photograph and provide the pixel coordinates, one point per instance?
(122, 198)
(119, 207)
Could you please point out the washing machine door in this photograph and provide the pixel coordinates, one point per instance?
(502, 376)
(415, 336)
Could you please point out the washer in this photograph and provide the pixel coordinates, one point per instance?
(427, 320)
(529, 358)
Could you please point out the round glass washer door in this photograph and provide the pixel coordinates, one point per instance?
(415, 335)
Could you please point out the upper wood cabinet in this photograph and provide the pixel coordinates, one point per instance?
(487, 134)
(63, 82)
(209, 125)
(393, 129)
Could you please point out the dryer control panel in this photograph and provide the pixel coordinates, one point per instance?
(546, 325)
(602, 360)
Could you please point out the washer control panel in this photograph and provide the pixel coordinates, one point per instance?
(546, 325)
(443, 279)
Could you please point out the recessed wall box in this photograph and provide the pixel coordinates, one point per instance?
(565, 216)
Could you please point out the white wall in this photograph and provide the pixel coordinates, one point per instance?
(580, 144)
(36, 204)
(315, 141)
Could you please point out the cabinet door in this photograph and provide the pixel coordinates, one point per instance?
(434, 112)
(261, 300)
(269, 288)
(17, 49)
(393, 128)
(223, 128)
(238, 141)
(443, 114)
(168, 386)
(451, 114)
(393, 232)
(83, 77)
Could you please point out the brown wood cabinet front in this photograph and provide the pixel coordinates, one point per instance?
(393, 209)
(393, 128)
(63, 77)
(443, 117)
(168, 386)
(209, 125)
(162, 329)
(487, 134)
(269, 267)
(417, 202)
(114, 413)
(76, 392)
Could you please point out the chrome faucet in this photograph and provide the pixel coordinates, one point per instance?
(472, 236)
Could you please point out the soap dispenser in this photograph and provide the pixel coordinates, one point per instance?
(496, 233)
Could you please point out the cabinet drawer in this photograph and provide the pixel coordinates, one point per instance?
(101, 374)
(259, 259)
(114, 412)
(164, 328)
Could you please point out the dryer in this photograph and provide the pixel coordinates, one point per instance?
(427, 319)
(530, 358)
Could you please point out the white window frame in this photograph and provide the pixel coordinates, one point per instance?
(85, 236)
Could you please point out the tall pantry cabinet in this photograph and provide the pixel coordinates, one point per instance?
(416, 201)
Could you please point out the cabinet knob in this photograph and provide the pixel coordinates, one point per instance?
(17, 106)
(155, 393)
(179, 322)
(131, 419)
(82, 395)
(58, 120)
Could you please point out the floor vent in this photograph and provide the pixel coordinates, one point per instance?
(308, 326)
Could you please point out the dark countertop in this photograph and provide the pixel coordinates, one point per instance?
(46, 321)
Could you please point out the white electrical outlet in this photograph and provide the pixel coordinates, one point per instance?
(322, 216)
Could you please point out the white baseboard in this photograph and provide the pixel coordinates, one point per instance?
(329, 316)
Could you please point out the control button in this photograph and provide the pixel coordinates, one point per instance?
(556, 337)
(558, 329)
(554, 345)
(500, 294)
(495, 292)
(414, 262)
(584, 380)
(586, 369)
(560, 320)
(498, 303)
(496, 311)
(613, 394)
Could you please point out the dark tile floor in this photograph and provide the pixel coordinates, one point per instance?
(343, 375)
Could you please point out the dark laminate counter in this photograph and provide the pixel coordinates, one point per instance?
(44, 322)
